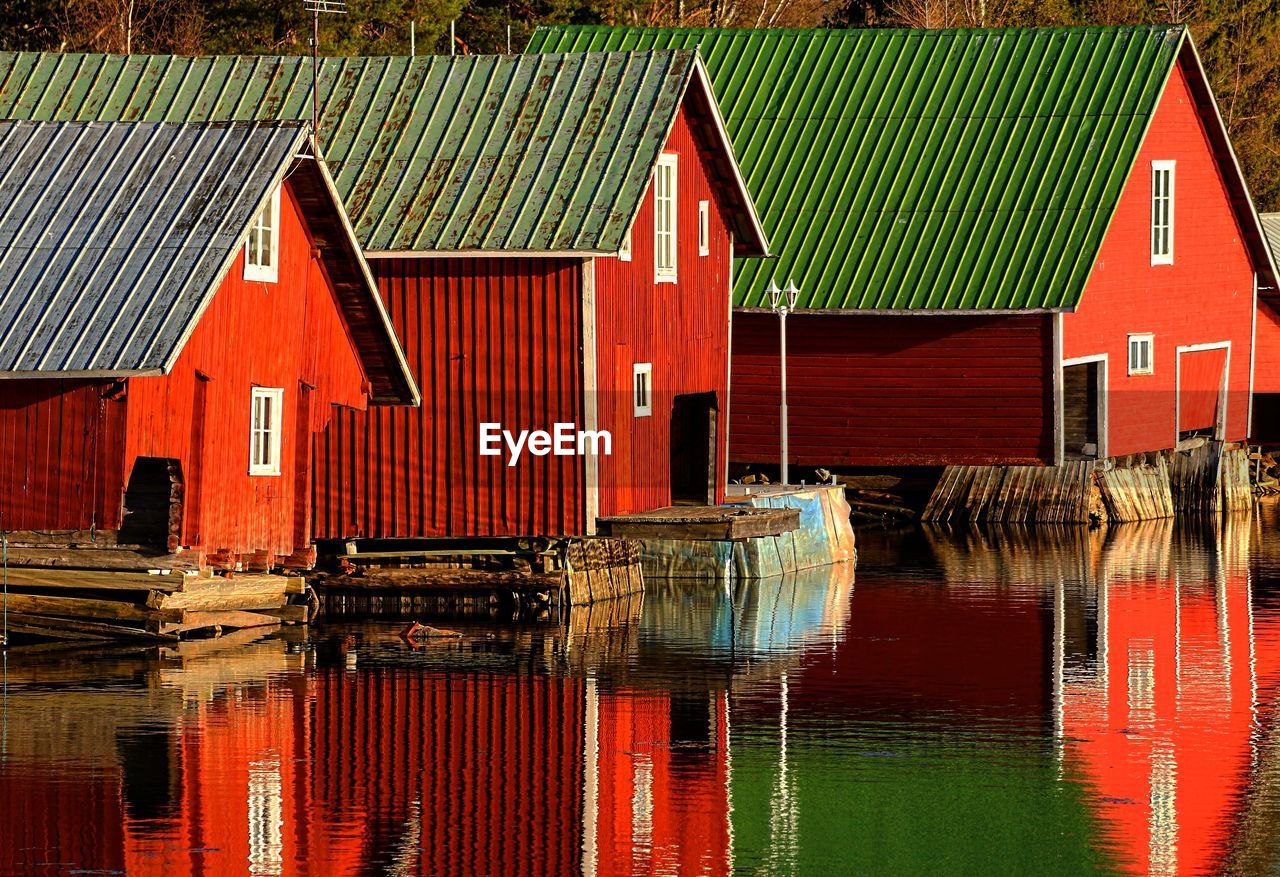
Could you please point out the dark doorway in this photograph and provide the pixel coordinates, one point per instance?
(693, 449)
(153, 501)
(1080, 397)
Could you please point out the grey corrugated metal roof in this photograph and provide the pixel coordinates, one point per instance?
(1271, 228)
(113, 237)
(547, 153)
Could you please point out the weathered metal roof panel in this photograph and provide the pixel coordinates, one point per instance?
(479, 153)
(924, 170)
(113, 237)
(1271, 228)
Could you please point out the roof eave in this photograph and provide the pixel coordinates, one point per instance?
(906, 312)
(757, 242)
(488, 254)
(410, 395)
(233, 253)
(104, 374)
(1251, 223)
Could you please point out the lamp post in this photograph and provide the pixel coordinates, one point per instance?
(783, 302)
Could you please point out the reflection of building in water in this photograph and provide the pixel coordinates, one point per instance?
(657, 783)
(483, 757)
(1158, 665)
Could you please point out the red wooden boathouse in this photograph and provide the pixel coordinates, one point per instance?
(180, 308)
(553, 238)
(1013, 246)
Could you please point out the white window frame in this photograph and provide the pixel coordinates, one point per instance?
(1150, 339)
(1163, 207)
(704, 228)
(642, 393)
(255, 268)
(666, 212)
(624, 252)
(271, 431)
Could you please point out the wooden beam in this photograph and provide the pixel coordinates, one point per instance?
(117, 610)
(103, 559)
(45, 578)
(442, 580)
(232, 619)
(70, 628)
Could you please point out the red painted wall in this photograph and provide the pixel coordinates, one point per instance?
(500, 340)
(489, 340)
(61, 451)
(681, 328)
(79, 450)
(1205, 296)
(283, 334)
(891, 390)
(1266, 376)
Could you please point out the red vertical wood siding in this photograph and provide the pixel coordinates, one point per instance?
(681, 328)
(1205, 296)
(489, 340)
(1265, 427)
(61, 455)
(895, 390)
(279, 334)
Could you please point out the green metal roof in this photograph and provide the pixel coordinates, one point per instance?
(508, 153)
(925, 170)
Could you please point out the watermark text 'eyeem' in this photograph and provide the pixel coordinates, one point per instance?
(564, 440)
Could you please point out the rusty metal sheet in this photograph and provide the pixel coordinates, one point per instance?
(546, 153)
(115, 236)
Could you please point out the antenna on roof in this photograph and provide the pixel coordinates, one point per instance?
(315, 7)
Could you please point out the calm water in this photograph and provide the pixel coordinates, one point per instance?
(976, 703)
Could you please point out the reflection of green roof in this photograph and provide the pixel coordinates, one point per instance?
(482, 153)
(921, 170)
(896, 803)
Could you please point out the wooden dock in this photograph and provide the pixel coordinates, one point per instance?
(99, 595)
(724, 523)
(498, 577)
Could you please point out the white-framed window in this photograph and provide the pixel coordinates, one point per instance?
(642, 388)
(1141, 354)
(262, 249)
(664, 220)
(1162, 212)
(704, 228)
(266, 421)
(624, 252)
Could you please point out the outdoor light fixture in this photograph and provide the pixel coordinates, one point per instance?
(783, 302)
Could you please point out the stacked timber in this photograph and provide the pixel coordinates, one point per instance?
(1266, 473)
(93, 596)
(476, 577)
